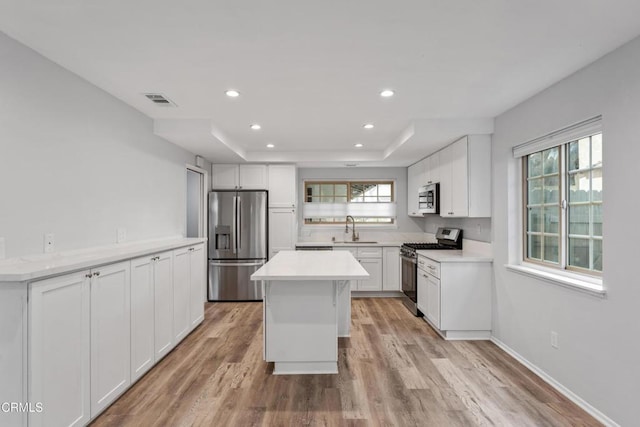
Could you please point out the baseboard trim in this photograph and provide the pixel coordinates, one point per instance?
(555, 384)
(376, 294)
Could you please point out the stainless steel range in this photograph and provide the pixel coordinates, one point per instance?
(447, 239)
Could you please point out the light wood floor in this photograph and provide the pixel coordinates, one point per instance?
(394, 370)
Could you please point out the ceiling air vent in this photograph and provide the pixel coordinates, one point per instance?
(160, 99)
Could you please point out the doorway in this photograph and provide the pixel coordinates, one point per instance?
(196, 202)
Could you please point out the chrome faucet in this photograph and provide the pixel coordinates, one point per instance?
(354, 235)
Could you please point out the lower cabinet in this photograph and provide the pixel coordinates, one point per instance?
(110, 334)
(91, 334)
(455, 297)
(391, 280)
(60, 350)
(197, 284)
(374, 268)
(181, 291)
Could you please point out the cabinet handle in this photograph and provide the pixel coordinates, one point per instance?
(97, 273)
(88, 275)
(425, 276)
(191, 249)
(431, 267)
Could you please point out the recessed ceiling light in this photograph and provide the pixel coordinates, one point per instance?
(270, 145)
(368, 126)
(358, 145)
(232, 93)
(256, 126)
(386, 93)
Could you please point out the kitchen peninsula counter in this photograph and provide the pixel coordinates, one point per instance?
(307, 306)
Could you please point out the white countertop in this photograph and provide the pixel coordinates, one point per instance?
(32, 267)
(311, 265)
(455, 256)
(350, 244)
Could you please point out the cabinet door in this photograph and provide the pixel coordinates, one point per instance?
(110, 334)
(224, 176)
(374, 268)
(459, 179)
(414, 176)
(181, 292)
(163, 307)
(391, 269)
(142, 316)
(282, 230)
(59, 350)
(253, 177)
(197, 283)
(422, 291)
(433, 300)
(446, 157)
(433, 168)
(282, 186)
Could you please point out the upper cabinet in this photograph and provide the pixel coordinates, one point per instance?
(415, 179)
(432, 169)
(465, 178)
(282, 186)
(246, 177)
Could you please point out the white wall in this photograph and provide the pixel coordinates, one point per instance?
(79, 163)
(599, 339)
(405, 223)
(472, 228)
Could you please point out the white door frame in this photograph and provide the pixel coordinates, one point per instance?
(204, 177)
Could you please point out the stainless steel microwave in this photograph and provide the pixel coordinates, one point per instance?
(429, 199)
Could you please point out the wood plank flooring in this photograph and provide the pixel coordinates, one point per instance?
(393, 371)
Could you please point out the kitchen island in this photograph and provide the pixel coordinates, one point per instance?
(307, 306)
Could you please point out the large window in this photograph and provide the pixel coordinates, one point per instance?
(563, 205)
(329, 202)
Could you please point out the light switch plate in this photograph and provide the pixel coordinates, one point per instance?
(3, 251)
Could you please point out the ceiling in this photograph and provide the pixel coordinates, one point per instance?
(310, 73)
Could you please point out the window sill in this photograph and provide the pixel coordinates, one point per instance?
(592, 286)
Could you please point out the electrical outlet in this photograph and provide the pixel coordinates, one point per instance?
(479, 229)
(3, 251)
(554, 339)
(121, 235)
(49, 243)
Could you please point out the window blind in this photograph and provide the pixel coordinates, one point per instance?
(337, 210)
(559, 137)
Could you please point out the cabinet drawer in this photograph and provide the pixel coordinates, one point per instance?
(430, 266)
(375, 252)
(354, 251)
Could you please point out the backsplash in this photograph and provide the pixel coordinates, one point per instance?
(478, 229)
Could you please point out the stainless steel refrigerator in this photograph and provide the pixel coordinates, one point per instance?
(237, 243)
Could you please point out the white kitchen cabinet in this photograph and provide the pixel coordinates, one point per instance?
(163, 304)
(465, 178)
(455, 297)
(253, 177)
(151, 311)
(374, 268)
(142, 315)
(198, 284)
(13, 350)
(181, 293)
(391, 269)
(246, 177)
(225, 177)
(283, 230)
(370, 257)
(110, 334)
(415, 176)
(432, 169)
(282, 186)
(60, 350)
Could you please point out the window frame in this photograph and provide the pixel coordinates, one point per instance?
(393, 224)
(564, 206)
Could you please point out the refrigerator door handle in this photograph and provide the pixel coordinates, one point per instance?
(234, 228)
(239, 246)
(236, 264)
